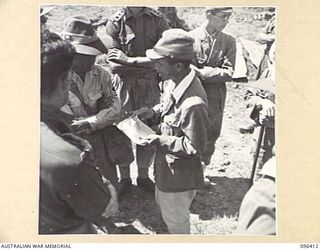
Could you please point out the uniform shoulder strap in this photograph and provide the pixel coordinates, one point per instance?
(118, 15)
(154, 12)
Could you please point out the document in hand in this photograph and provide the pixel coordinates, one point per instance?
(135, 129)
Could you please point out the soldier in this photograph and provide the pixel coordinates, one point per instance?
(183, 118)
(261, 93)
(267, 36)
(92, 99)
(134, 30)
(257, 213)
(215, 54)
(260, 100)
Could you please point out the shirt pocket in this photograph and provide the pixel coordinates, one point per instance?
(172, 125)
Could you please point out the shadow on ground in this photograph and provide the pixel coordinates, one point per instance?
(222, 198)
(139, 213)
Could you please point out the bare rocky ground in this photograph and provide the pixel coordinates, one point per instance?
(215, 209)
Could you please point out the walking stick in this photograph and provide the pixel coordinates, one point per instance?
(254, 165)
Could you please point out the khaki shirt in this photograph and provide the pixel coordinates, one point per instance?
(96, 88)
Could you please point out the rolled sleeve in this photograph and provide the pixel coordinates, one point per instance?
(113, 31)
(105, 117)
(109, 105)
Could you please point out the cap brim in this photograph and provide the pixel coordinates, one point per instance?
(103, 43)
(224, 10)
(227, 11)
(151, 54)
(86, 50)
(95, 48)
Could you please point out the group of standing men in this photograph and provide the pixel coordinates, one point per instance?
(136, 29)
(173, 80)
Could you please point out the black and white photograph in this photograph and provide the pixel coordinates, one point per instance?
(157, 120)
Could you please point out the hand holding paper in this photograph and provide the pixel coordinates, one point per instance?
(144, 113)
(150, 140)
(136, 130)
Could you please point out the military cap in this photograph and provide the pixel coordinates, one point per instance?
(175, 44)
(219, 9)
(81, 33)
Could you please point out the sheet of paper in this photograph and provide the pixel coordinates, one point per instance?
(135, 129)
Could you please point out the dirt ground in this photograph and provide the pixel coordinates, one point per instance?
(215, 209)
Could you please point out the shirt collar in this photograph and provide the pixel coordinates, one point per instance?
(129, 13)
(204, 32)
(75, 77)
(212, 36)
(203, 26)
(183, 85)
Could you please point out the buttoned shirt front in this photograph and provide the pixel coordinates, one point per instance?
(183, 119)
(215, 54)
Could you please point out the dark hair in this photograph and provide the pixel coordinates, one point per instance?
(56, 60)
(43, 19)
